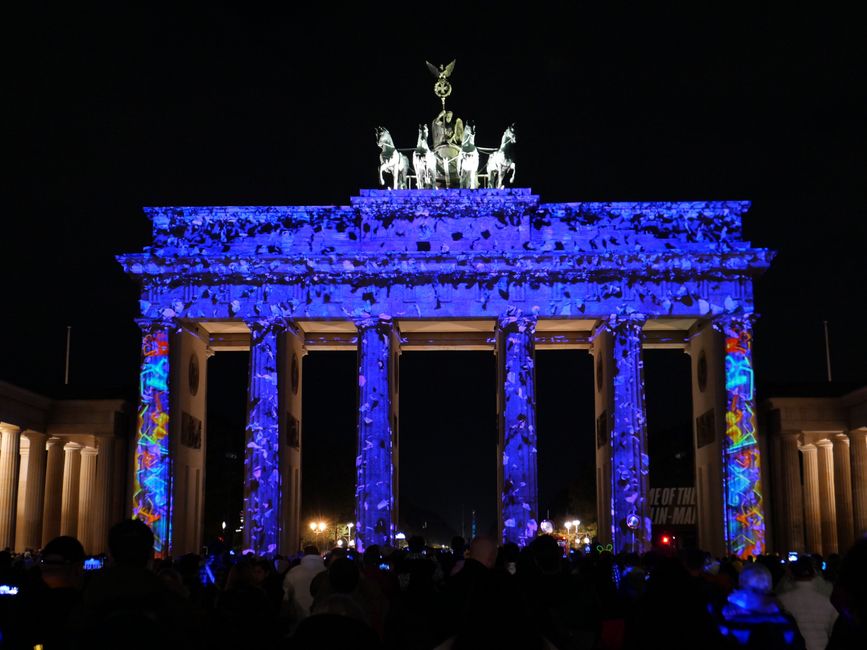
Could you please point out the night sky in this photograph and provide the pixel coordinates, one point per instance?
(114, 109)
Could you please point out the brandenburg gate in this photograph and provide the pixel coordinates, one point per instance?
(411, 269)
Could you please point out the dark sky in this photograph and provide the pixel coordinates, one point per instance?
(113, 109)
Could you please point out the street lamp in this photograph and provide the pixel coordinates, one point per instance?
(349, 540)
(568, 525)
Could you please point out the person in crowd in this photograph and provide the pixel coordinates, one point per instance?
(296, 585)
(129, 596)
(752, 617)
(850, 599)
(812, 609)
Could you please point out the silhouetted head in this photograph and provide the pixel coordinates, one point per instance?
(131, 543)
(343, 576)
(63, 550)
(546, 554)
(372, 556)
(802, 569)
(757, 578)
(415, 544)
(458, 545)
(311, 549)
(484, 551)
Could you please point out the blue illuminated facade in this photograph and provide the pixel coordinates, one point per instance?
(492, 256)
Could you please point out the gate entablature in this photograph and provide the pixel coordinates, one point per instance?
(447, 254)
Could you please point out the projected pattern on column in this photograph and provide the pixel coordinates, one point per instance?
(744, 512)
(629, 460)
(151, 477)
(262, 451)
(374, 487)
(520, 484)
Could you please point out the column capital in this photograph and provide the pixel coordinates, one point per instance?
(35, 437)
(7, 428)
(840, 439)
(808, 447)
(147, 325)
(53, 441)
(790, 437)
(824, 443)
(857, 434)
(71, 447)
(623, 318)
(89, 451)
(368, 321)
(265, 324)
(515, 318)
(736, 321)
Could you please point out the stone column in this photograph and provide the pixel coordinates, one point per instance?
(812, 511)
(87, 498)
(28, 531)
(374, 487)
(792, 502)
(53, 490)
(827, 501)
(23, 455)
(69, 504)
(519, 491)
(858, 448)
(843, 492)
(8, 483)
(262, 477)
(102, 501)
(743, 505)
(629, 460)
(152, 478)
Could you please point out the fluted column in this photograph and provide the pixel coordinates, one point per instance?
(374, 487)
(519, 491)
(28, 527)
(827, 501)
(87, 497)
(858, 449)
(744, 507)
(629, 458)
(23, 455)
(792, 501)
(8, 483)
(102, 500)
(53, 490)
(152, 479)
(812, 510)
(262, 477)
(71, 474)
(843, 492)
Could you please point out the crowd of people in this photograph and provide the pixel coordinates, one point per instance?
(479, 595)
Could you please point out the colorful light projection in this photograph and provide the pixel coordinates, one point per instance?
(515, 340)
(630, 523)
(744, 512)
(151, 501)
(262, 449)
(374, 464)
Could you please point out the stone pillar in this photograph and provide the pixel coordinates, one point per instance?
(827, 500)
(53, 490)
(743, 506)
(291, 355)
(792, 503)
(8, 483)
(631, 523)
(262, 476)
(23, 455)
(375, 496)
(28, 528)
(519, 491)
(843, 492)
(102, 499)
(87, 498)
(152, 477)
(858, 448)
(812, 516)
(71, 474)
(706, 347)
(603, 361)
